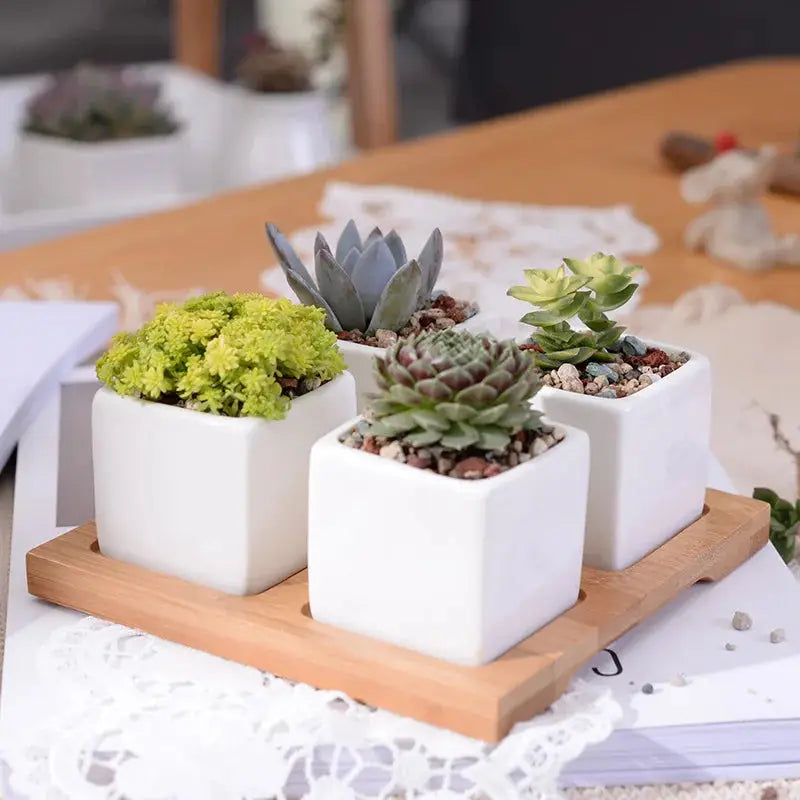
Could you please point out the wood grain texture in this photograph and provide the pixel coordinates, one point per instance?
(274, 631)
(596, 151)
(371, 82)
(197, 34)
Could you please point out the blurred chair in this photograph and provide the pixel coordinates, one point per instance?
(371, 84)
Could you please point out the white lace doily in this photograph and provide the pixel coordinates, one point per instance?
(487, 244)
(144, 719)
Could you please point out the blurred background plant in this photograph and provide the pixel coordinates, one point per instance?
(784, 521)
(95, 104)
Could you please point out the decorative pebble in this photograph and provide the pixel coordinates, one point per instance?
(777, 636)
(769, 793)
(573, 384)
(591, 388)
(601, 381)
(385, 338)
(393, 450)
(624, 368)
(558, 434)
(596, 369)
(645, 380)
(679, 680)
(730, 646)
(445, 322)
(654, 376)
(538, 447)
(607, 393)
(647, 688)
(633, 346)
(741, 621)
(568, 372)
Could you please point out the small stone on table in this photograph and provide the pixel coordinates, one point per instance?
(741, 621)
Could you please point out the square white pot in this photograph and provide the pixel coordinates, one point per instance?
(275, 135)
(359, 357)
(460, 570)
(218, 501)
(47, 172)
(649, 457)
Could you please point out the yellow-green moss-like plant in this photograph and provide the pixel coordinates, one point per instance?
(234, 355)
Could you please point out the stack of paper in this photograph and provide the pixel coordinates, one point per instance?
(715, 713)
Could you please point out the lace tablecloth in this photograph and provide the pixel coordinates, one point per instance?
(141, 718)
(487, 244)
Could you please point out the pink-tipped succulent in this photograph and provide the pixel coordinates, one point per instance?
(97, 104)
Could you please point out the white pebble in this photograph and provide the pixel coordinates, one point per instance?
(777, 636)
(393, 450)
(741, 621)
(567, 372)
(539, 447)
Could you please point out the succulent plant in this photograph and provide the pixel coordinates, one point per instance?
(233, 355)
(95, 104)
(600, 283)
(784, 522)
(364, 285)
(455, 389)
(268, 67)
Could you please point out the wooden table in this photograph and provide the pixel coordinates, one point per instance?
(597, 151)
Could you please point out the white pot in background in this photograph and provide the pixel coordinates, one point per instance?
(460, 570)
(47, 172)
(649, 457)
(359, 357)
(218, 501)
(273, 136)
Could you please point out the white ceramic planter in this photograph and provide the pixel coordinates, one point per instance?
(359, 357)
(460, 570)
(213, 500)
(48, 173)
(649, 457)
(273, 136)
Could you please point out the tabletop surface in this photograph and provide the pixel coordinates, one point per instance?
(599, 151)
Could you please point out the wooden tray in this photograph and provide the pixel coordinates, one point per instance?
(275, 632)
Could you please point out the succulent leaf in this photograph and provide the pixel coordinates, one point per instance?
(309, 296)
(350, 260)
(468, 390)
(335, 285)
(395, 244)
(321, 243)
(398, 301)
(349, 238)
(430, 261)
(374, 236)
(287, 258)
(372, 272)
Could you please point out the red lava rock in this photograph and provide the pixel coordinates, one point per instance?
(492, 470)
(370, 445)
(420, 462)
(520, 436)
(426, 321)
(531, 346)
(446, 303)
(351, 336)
(472, 467)
(287, 383)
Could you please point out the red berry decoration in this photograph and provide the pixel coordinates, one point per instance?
(725, 141)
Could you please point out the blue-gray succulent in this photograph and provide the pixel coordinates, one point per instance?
(364, 285)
